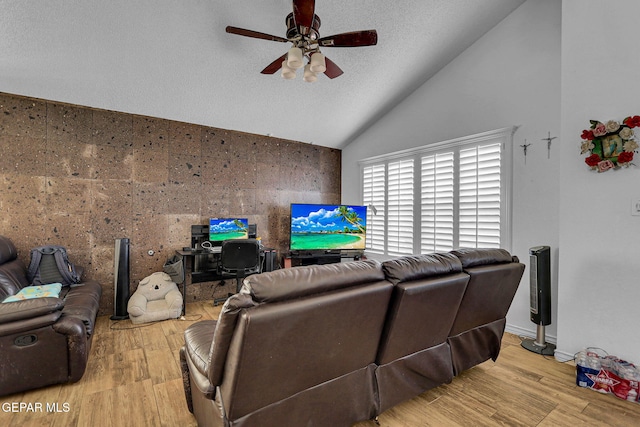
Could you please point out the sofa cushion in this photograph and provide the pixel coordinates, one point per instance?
(296, 282)
(474, 257)
(420, 266)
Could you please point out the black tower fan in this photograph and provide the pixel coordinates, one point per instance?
(121, 280)
(540, 299)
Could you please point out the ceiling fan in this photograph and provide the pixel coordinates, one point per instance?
(302, 33)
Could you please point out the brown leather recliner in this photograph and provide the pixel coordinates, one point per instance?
(296, 347)
(477, 331)
(414, 355)
(43, 341)
(340, 343)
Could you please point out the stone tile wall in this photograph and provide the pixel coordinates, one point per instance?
(82, 177)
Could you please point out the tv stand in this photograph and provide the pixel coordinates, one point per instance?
(298, 258)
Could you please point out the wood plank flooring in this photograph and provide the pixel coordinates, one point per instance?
(133, 379)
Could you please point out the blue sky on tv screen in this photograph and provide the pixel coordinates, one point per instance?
(220, 225)
(318, 218)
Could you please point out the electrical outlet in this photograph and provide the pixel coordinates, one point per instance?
(635, 207)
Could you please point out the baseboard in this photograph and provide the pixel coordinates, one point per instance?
(561, 356)
(521, 332)
(528, 333)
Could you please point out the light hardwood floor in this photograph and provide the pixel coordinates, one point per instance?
(133, 379)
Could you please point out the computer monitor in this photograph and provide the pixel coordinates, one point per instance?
(228, 228)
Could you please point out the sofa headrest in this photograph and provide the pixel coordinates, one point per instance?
(8, 251)
(296, 282)
(417, 267)
(474, 257)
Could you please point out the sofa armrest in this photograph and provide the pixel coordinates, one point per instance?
(75, 331)
(198, 339)
(30, 308)
(29, 324)
(82, 302)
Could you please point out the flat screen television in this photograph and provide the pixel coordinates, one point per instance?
(228, 228)
(327, 227)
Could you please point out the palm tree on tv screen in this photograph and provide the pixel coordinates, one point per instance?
(239, 224)
(350, 216)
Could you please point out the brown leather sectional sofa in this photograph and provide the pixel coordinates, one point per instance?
(331, 345)
(43, 341)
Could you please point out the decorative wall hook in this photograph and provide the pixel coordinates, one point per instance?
(524, 147)
(549, 138)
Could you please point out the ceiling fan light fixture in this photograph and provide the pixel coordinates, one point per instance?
(303, 33)
(318, 63)
(309, 75)
(287, 73)
(294, 58)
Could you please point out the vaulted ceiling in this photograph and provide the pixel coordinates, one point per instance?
(173, 59)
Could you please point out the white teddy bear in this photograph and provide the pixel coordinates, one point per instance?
(157, 298)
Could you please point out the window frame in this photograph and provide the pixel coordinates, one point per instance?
(503, 136)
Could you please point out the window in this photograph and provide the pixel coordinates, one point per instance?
(479, 197)
(400, 207)
(440, 197)
(437, 198)
(374, 196)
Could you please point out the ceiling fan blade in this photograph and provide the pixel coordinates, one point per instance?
(303, 11)
(332, 70)
(255, 34)
(274, 66)
(351, 39)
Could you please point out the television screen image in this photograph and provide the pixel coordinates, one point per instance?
(327, 227)
(228, 228)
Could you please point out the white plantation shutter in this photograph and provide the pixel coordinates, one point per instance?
(457, 196)
(479, 199)
(373, 196)
(400, 207)
(437, 198)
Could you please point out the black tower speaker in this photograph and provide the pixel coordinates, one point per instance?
(540, 298)
(270, 260)
(252, 231)
(121, 280)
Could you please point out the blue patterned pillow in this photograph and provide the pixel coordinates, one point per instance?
(40, 291)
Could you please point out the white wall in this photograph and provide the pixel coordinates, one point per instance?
(599, 292)
(509, 77)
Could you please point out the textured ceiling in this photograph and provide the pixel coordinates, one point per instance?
(173, 59)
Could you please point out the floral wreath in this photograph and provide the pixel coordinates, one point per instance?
(610, 145)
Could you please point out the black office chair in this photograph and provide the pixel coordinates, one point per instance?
(239, 259)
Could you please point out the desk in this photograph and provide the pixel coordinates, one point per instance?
(198, 266)
(204, 266)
